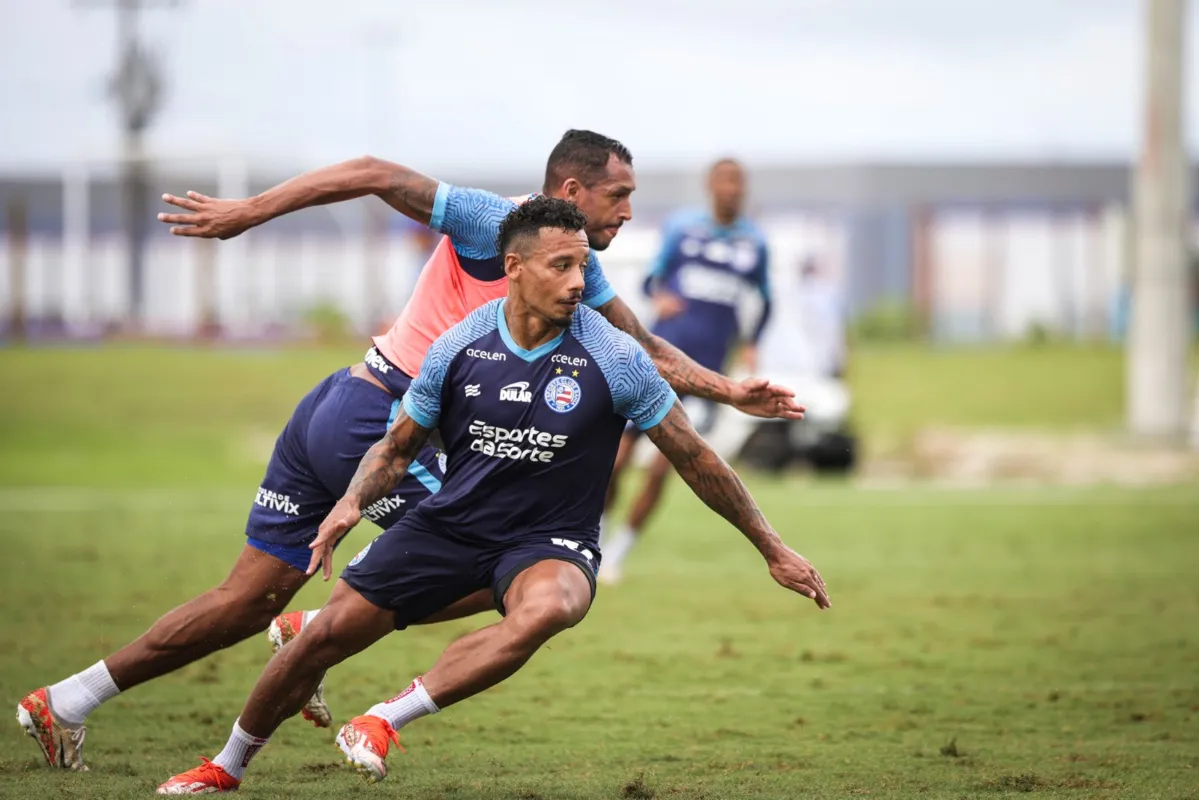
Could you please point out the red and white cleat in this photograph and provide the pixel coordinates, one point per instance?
(284, 628)
(365, 741)
(61, 746)
(207, 778)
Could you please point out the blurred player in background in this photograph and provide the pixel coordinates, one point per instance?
(708, 260)
(528, 428)
(339, 420)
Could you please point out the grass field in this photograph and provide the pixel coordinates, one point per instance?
(982, 643)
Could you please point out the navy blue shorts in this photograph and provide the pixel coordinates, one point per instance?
(415, 568)
(315, 458)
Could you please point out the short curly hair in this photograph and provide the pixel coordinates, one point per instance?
(531, 216)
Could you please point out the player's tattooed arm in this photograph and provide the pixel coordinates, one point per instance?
(755, 396)
(377, 474)
(387, 461)
(404, 189)
(683, 374)
(715, 482)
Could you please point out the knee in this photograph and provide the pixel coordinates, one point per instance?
(253, 607)
(538, 619)
(318, 644)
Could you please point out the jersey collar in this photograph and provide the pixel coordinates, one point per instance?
(501, 324)
(732, 229)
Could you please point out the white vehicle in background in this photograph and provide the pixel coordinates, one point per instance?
(822, 440)
(804, 347)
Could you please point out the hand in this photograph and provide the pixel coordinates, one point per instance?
(211, 218)
(667, 305)
(344, 516)
(749, 357)
(759, 397)
(792, 571)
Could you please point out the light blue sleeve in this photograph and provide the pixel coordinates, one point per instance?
(659, 268)
(422, 401)
(471, 218)
(638, 392)
(762, 276)
(762, 273)
(596, 289)
(644, 397)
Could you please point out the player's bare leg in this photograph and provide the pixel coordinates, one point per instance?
(624, 454)
(544, 600)
(347, 624)
(257, 588)
(617, 548)
(287, 627)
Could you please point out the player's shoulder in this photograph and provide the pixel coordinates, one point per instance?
(750, 229)
(693, 221)
(474, 326)
(465, 202)
(612, 348)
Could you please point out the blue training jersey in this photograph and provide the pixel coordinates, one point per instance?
(465, 271)
(471, 219)
(710, 266)
(531, 436)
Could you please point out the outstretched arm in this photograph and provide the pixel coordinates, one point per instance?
(406, 190)
(755, 396)
(378, 473)
(719, 487)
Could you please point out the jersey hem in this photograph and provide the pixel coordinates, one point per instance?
(661, 413)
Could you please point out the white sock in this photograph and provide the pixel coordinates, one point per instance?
(616, 550)
(412, 703)
(238, 751)
(81, 694)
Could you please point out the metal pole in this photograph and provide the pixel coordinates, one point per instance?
(17, 221)
(137, 88)
(1158, 333)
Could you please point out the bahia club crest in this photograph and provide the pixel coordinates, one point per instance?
(563, 394)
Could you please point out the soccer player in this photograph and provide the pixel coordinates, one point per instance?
(530, 393)
(334, 425)
(708, 261)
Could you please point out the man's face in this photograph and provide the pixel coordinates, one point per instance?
(547, 273)
(726, 185)
(606, 203)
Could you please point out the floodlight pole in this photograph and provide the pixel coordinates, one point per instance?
(1156, 375)
(137, 88)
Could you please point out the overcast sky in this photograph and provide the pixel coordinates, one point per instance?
(491, 84)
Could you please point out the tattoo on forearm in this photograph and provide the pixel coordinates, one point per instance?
(411, 193)
(712, 480)
(387, 461)
(683, 374)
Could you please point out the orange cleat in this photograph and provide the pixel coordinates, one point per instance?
(208, 778)
(365, 741)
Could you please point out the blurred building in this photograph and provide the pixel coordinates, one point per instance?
(974, 252)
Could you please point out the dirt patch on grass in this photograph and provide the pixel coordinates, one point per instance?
(989, 457)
